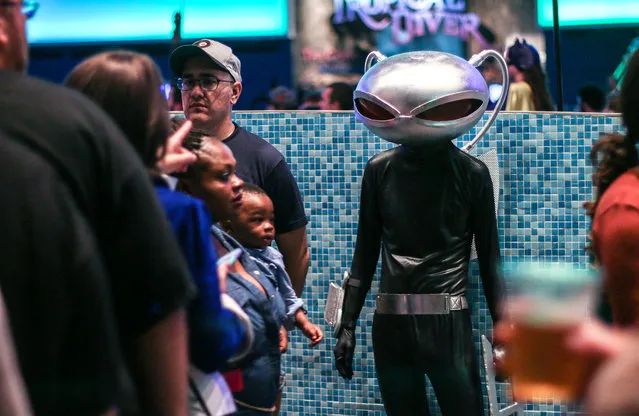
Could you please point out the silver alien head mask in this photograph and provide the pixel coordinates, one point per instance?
(424, 97)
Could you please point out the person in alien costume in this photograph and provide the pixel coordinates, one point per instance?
(423, 202)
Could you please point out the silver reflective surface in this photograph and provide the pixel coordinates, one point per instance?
(408, 84)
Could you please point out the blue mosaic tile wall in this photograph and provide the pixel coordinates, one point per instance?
(545, 178)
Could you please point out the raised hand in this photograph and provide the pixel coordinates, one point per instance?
(176, 157)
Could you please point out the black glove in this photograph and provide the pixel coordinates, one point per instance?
(344, 352)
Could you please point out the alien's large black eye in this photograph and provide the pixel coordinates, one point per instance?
(451, 111)
(372, 111)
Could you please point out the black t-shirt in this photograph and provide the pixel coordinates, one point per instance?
(261, 164)
(55, 291)
(147, 273)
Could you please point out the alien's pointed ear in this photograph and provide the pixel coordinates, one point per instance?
(375, 55)
(517, 42)
(525, 43)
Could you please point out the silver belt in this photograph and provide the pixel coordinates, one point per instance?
(419, 304)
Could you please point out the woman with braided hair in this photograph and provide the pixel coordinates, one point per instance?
(615, 211)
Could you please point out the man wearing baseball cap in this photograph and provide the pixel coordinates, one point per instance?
(209, 75)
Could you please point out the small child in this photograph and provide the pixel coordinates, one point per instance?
(253, 228)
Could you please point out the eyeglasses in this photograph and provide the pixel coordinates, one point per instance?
(28, 8)
(207, 83)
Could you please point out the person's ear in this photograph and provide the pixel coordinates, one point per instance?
(237, 91)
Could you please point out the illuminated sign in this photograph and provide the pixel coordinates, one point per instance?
(589, 12)
(78, 21)
(411, 18)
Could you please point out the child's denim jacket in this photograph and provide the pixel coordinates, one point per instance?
(273, 259)
(261, 367)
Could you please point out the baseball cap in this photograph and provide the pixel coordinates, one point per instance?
(219, 53)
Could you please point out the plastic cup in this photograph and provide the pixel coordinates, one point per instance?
(545, 302)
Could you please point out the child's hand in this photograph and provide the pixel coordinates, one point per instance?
(283, 340)
(312, 332)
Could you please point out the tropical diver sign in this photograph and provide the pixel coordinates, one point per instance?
(411, 18)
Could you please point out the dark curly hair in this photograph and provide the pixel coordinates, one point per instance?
(194, 138)
(614, 154)
(197, 141)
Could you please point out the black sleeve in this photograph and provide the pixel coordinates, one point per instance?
(92, 344)
(369, 234)
(281, 187)
(79, 353)
(484, 227)
(148, 273)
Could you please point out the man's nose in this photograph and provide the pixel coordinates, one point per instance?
(197, 90)
(237, 183)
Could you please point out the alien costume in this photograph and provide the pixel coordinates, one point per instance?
(422, 202)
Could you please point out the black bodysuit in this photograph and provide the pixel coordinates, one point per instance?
(423, 206)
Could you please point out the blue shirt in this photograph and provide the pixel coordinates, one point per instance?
(261, 367)
(214, 333)
(273, 259)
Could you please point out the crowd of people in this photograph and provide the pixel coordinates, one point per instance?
(124, 292)
(337, 96)
(528, 90)
(138, 273)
